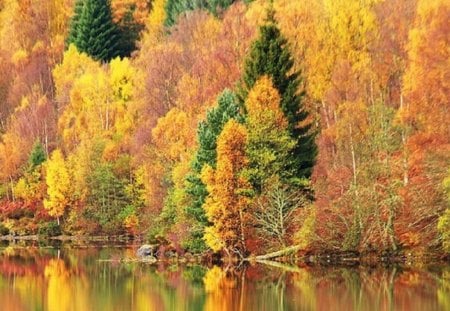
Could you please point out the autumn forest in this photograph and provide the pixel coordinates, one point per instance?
(230, 127)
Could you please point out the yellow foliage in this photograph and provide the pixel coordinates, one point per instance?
(74, 65)
(263, 103)
(131, 224)
(174, 135)
(58, 185)
(155, 23)
(19, 57)
(21, 189)
(304, 237)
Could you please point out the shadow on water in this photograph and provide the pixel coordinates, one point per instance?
(77, 277)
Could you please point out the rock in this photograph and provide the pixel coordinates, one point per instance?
(146, 250)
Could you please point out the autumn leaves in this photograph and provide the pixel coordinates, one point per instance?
(249, 156)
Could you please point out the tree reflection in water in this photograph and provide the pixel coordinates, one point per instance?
(33, 278)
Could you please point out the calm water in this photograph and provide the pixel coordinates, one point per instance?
(79, 278)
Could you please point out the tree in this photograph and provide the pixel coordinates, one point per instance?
(106, 198)
(75, 22)
(37, 156)
(274, 213)
(58, 185)
(95, 33)
(130, 16)
(270, 56)
(207, 133)
(174, 8)
(227, 203)
(269, 143)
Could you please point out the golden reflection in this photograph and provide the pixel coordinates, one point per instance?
(65, 291)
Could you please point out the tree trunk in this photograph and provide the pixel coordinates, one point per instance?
(284, 251)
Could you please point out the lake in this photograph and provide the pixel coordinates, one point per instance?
(85, 278)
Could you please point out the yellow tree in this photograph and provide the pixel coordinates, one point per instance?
(269, 142)
(58, 185)
(227, 205)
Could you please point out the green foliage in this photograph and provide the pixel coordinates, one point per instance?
(174, 8)
(269, 143)
(106, 197)
(270, 56)
(49, 229)
(75, 23)
(37, 155)
(94, 32)
(227, 108)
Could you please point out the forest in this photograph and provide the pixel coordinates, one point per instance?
(230, 127)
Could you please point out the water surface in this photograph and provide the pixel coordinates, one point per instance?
(84, 278)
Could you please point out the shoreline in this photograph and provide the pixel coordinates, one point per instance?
(323, 258)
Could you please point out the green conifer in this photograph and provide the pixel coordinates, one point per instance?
(75, 22)
(37, 155)
(208, 130)
(94, 32)
(270, 56)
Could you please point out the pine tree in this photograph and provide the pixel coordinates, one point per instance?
(227, 108)
(94, 32)
(37, 155)
(75, 22)
(270, 56)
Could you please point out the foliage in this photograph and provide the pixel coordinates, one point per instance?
(174, 8)
(269, 144)
(37, 156)
(207, 133)
(106, 199)
(94, 32)
(275, 211)
(58, 185)
(270, 56)
(444, 220)
(227, 204)
(3, 229)
(49, 229)
(341, 102)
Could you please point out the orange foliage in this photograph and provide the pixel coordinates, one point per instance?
(227, 205)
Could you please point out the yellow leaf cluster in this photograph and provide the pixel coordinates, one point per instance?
(58, 185)
(263, 103)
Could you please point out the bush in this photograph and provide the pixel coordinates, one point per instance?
(3, 229)
(49, 229)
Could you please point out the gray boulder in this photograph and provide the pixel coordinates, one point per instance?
(146, 250)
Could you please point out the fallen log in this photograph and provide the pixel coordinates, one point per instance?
(284, 251)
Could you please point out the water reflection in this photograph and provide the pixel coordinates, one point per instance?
(74, 278)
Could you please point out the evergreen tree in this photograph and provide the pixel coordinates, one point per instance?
(227, 108)
(270, 56)
(75, 22)
(94, 32)
(176, 7)
(37, 155)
